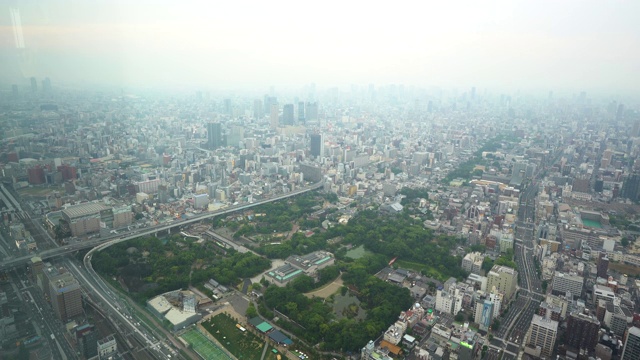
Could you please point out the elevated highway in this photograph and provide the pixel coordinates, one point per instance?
(108, 241)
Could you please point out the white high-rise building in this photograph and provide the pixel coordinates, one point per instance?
(541, 336)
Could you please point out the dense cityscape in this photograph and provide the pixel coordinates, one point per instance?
(385, 222)
(344, 180)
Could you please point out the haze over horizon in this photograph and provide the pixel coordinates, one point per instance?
(537, 45)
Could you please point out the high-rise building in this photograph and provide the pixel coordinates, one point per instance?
(317, 145)
(567, 283)
(46, 85)
(287, 114)
(311, 111)
(87, 339)
(64, 292)
(258, 110)
(301, 118)
(504, 279)
(200, 201)
(582, 331)
(487, 315)
(445, 301)
(542, 336)
(631, 350)
(631, 187)
(214, 135)
(36, 175)
(274, 115)
(14, 90)
(34, 85)
(603, 265)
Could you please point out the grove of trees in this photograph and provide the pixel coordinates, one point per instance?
(150, 267)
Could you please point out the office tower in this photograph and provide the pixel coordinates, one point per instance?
(504, 279)
(46, 85)
(311, 111)
(214, 135)
(275, 112)
(287, 114)
(542, 335)
(317, 145)
(64, 292)
(34, 85)
(631, 350)
(582, 331)
(14, 90)
(603, 265)
(631, 187)
(301, 112)
(235, 135)
(258, 110)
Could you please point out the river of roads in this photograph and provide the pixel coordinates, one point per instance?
(510, 336)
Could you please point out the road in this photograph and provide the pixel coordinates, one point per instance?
(111, 304)
(43, 314)
(118, 309)
(135, 233)
(514, 326)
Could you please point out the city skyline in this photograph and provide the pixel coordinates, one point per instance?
(529, 45)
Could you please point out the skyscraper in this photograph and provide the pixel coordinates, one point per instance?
(631, 187)
(258, 110)
(46, 85)
(287, 114)
(34, 85)
(301, 112)
(275, 113)
(631, 350)
(311, 111)
(214, 135)
(317, 145)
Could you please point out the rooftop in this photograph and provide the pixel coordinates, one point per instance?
(81, 210)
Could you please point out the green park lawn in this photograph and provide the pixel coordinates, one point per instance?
(243, 345)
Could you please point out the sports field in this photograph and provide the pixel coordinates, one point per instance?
(203, 346)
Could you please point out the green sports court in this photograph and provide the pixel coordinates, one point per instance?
(203, 346)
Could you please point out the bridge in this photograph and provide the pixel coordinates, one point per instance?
(110, 240)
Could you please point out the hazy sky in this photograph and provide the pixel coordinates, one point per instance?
(246, 44)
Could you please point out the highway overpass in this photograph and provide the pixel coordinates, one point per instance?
(107, 241)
